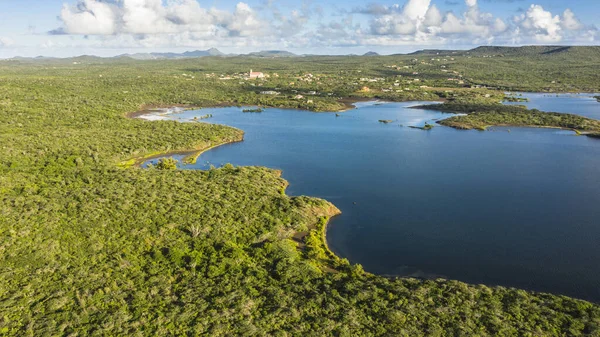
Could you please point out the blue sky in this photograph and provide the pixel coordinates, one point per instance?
(111, 27)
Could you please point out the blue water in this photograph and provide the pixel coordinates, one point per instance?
(518, 208)
(580, 104)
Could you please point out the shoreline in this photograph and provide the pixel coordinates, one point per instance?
(191, 155)
(459, 125)
(151, 108)
(328, 212)
(347, 102)
(577, 132)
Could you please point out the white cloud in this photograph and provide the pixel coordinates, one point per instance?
(415, 9)
(6, 42)
(540, 24)
(244, 22)
(89, 17)
(99, 17)
(424, 22)
(184, 23)
(421, 21)
(570, 21)
(433, 17)
(471, 3)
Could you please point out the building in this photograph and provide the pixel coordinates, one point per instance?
(254, 74)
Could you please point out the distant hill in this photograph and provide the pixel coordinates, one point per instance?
(517, 51)
(562, 52)
(272, 53)
(204, 53)
(187, 54)
(576, 51)
(436, 52)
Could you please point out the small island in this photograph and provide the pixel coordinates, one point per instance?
(425, 127)
(203, 117)
(386, 121)
(257, 110)
(597, 98)
(515, 99)
(481, 116)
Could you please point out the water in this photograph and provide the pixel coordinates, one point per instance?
(515, 208)
(580, 104)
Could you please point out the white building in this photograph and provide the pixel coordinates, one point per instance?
(255, 74)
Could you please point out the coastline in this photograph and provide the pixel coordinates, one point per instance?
(325, 214)
(348, 103)
(577, 132)
(479, 125)
(191, 155)
(151, 108)
(332, 263)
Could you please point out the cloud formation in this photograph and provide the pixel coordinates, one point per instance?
(106, 17)
(544, 27)
(149, 23)
(420, 21)
(5, 42)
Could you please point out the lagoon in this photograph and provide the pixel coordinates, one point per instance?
(517, 209)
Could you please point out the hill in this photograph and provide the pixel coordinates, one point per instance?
(187, 54)
(528, 51)
(272, 53)
(371, 53)
(575, 51)
(436, 52)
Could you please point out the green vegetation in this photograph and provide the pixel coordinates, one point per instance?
(91, 248)
(482, 116)
(428, 126)
(597, 98)
(207, 116)
(515, 99)
(167, 164)
(253, 110)
(425, 127)
(531, 68)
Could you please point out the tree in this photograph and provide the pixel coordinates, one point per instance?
(167, 164)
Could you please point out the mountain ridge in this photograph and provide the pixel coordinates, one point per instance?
(537, 51)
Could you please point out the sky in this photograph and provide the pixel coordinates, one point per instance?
(63, 28)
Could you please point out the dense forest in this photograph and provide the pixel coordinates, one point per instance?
(89, 246)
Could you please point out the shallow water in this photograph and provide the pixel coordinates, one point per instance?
(516, 208)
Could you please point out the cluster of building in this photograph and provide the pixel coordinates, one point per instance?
(376, 79)
(252, 75)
